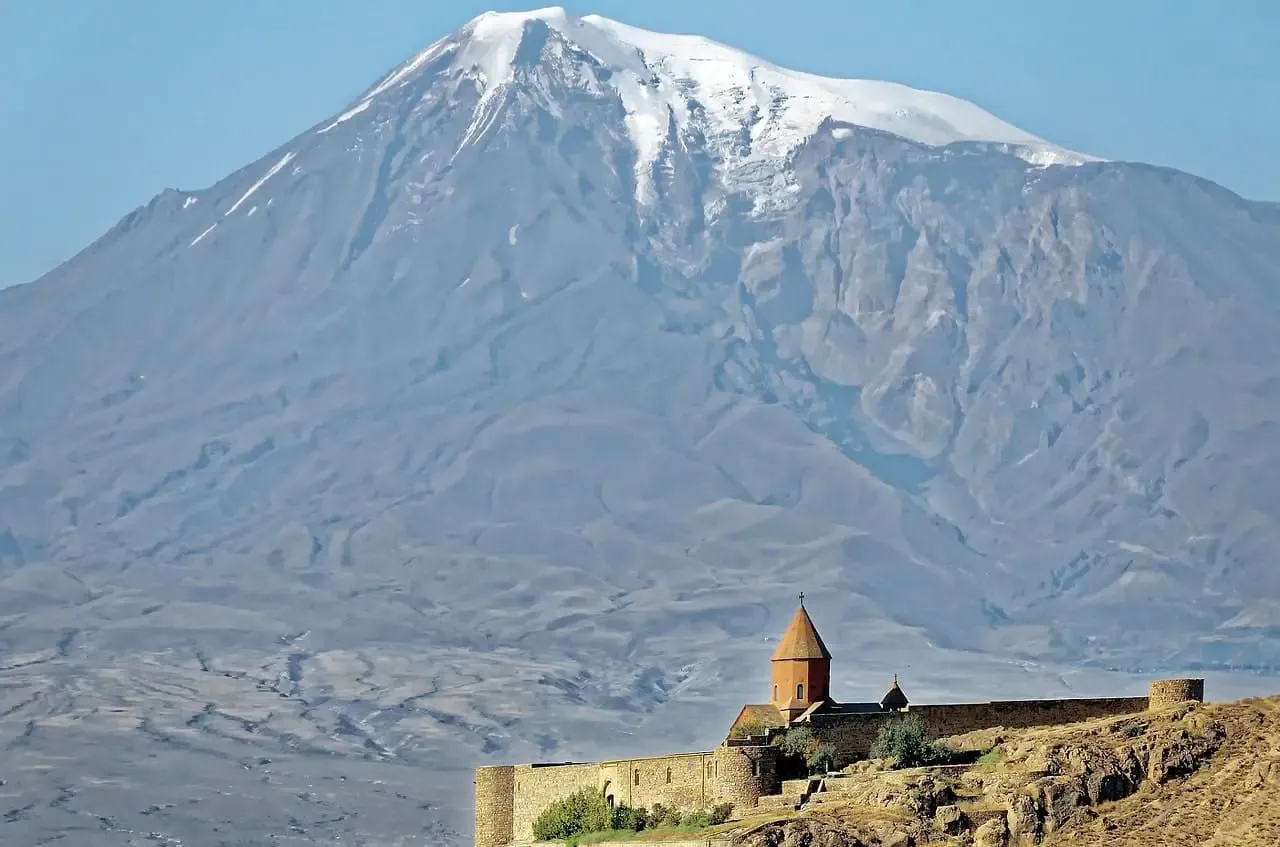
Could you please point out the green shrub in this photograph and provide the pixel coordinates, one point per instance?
(821, 758)
(599, 837)
(906, 742)
(750, 728)
(585, 817)
(628, 818)
(660, 816)
(695, 820)
(582, 811)
(800, 743)
(796, 741)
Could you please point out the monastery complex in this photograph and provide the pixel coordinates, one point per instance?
(744, 770)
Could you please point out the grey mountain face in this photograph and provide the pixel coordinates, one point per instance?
(448, 442)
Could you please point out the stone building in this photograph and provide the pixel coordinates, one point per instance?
(746, 766)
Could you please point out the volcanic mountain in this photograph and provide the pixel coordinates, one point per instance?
(512, 405)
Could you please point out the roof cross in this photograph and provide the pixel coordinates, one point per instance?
(801, 598)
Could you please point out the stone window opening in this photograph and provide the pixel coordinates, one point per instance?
(775, 693)
(755, 767)
(668, 776)
(637, 776)
(800, 691)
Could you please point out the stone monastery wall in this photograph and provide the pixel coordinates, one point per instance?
(509, 798)
(853, 734)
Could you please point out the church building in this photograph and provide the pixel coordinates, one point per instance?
(800, 673)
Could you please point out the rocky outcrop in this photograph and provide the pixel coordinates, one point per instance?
(951, 820)
(1109, 763)
(814, 833)
(993, 833)
(1046, 786)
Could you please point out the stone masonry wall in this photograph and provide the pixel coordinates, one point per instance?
(853, 734)
(684, 780)
(744, 774)
(1169, 692)
(495, 797)
(538, 786)
(1019, 714)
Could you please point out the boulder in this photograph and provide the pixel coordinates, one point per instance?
(993, 833)
(951, 819)
(929, 795)
(1022, 820)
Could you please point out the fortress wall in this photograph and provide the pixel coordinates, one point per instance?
(538, 786)
(685, 781)
(744, 774)
(947, 720)
(535, 787)
(853, 734)
(495, 788)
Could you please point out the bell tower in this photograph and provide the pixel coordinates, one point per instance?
(801, 667)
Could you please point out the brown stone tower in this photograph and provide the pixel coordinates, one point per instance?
(801, 667)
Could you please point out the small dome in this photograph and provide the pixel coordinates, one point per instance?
(895, 699)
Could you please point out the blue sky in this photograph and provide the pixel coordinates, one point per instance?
(103, 103)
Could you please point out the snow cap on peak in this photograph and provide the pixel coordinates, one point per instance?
(733, 86)
(731, 96)
(495, 20)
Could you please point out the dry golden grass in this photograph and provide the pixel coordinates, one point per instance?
(1233, 800)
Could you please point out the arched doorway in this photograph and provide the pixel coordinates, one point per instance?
(607, 791)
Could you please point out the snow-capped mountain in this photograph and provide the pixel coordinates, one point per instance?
(508, 409)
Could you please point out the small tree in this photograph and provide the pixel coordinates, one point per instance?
(628, 818)
(695, 820)
(582, 811)
(721, 813)
(906, 742)
(660, 816)
(799, 743)
(796, 741)
(821, 758)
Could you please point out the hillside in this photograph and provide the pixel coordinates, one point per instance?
(1190, 775)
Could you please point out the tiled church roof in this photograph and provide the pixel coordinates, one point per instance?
(895, 699)
(801, 640)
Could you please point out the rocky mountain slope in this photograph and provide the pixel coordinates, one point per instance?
(503, 414)
(1186, 775)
